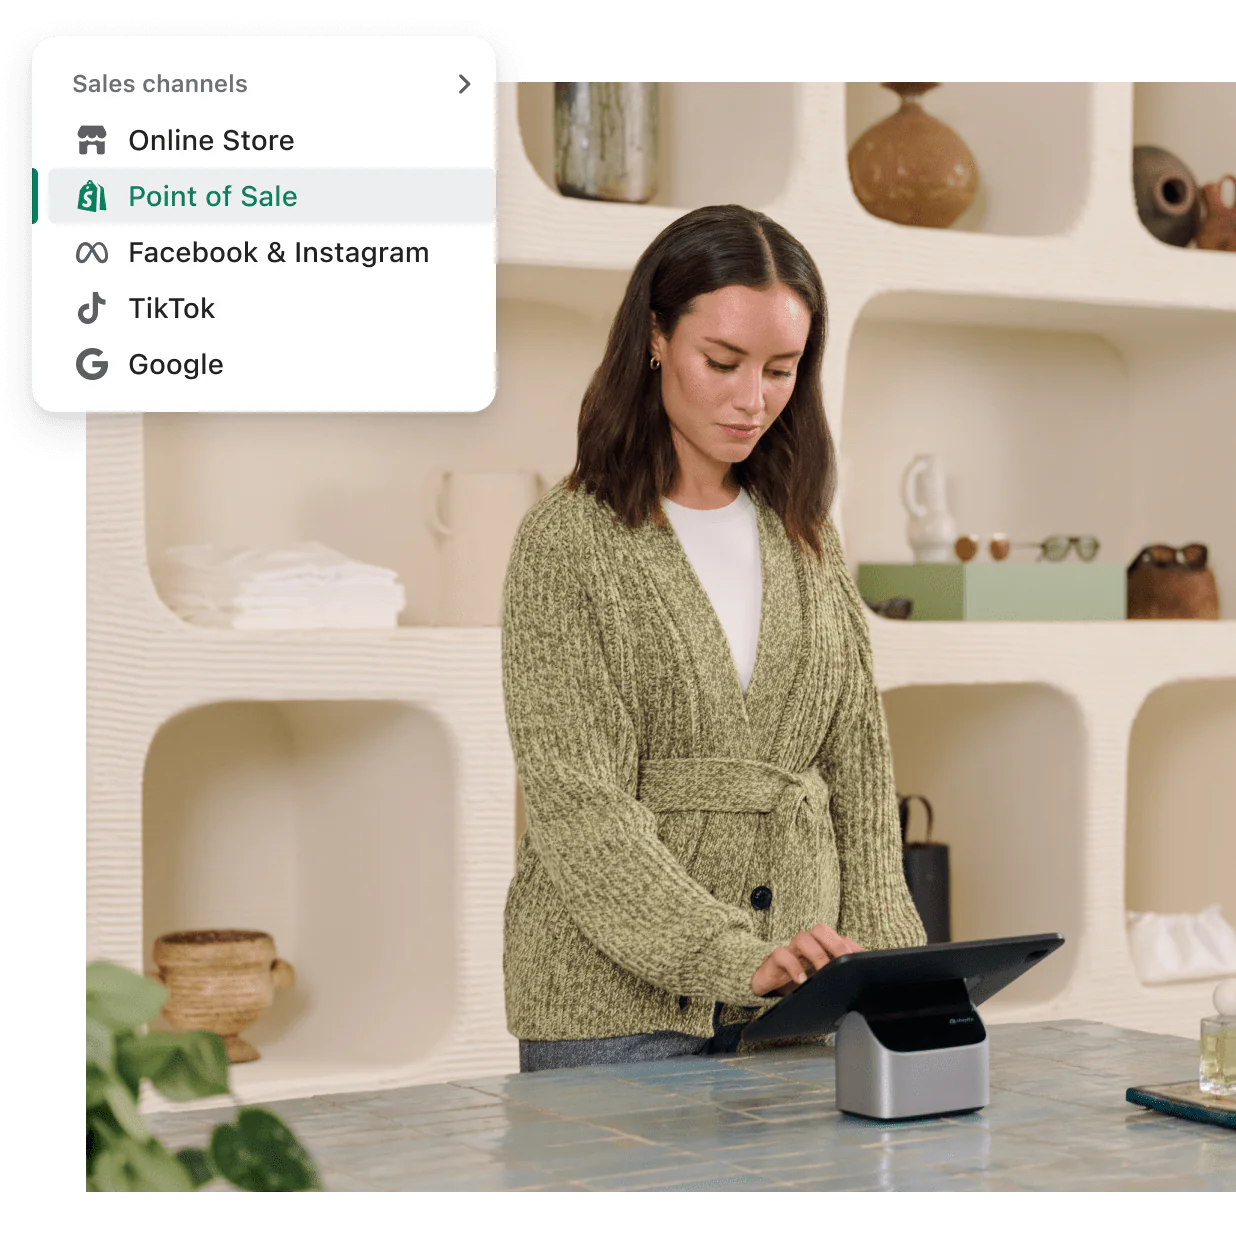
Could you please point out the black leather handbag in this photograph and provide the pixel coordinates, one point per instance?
(926, 868)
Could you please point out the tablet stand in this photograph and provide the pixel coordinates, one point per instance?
(912, 1049)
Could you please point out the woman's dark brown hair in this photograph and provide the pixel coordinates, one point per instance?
(626, 456)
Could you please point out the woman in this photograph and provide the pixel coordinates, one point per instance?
(687, 671)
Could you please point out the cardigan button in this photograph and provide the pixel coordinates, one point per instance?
(761, 897)
(683, 1001)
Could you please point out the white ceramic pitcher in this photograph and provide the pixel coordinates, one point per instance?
(930, 529)
(476, 515)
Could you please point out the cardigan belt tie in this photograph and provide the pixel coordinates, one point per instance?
(707, 783)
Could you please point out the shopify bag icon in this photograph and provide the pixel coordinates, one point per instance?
(91, 197)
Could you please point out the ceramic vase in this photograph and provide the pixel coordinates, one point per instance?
(912, 168)
(1166, 194)
(476, 516)
(1217, 228)
(930, 529)
(221, 981)
(605, 139)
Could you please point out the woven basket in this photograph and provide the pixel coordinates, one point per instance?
(221, 980)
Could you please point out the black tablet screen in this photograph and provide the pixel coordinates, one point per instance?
(881, 978)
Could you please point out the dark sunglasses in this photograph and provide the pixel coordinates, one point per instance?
(894, 607)
(1191, 556)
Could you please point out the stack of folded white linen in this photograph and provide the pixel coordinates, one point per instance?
(306, 584)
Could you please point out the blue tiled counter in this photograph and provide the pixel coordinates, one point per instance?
(766, 1120)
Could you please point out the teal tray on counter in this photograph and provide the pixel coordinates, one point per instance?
(1187, 1100)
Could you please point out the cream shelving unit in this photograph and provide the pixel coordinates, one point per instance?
(354, 793)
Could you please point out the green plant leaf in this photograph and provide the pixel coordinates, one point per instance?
(125, 1110)
(259, 1153)
(125, 1067)
(100, 1044)
(121, 999)
(197, 1163)
(188, 1064)
(97, 1082)
(102, 1131)
(129, 1166)
(108, 1171)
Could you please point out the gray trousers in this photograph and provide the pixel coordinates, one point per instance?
(537, 1054)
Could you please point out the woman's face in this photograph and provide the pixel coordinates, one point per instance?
(729, 369)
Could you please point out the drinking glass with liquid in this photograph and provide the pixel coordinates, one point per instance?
(1217, 1067)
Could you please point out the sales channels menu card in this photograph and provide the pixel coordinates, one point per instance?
(264, 224)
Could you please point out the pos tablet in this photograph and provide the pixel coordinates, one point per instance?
(910, 1041)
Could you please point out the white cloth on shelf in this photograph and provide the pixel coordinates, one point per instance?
(305, 585)
(314, 618)
(1170, 948)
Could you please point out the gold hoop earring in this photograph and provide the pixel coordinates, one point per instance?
(653, 363)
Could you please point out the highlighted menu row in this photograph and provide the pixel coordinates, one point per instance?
(208, 195)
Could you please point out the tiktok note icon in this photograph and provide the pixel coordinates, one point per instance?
(89, 312)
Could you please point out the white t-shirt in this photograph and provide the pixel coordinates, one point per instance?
(723, 547)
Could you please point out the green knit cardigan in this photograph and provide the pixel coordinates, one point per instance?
(678, 829)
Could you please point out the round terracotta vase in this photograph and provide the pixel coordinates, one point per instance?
(912, 168)
(221, 981)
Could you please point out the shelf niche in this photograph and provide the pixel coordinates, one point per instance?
(1030, 141)
(1195, 121)
(1002, 767)
(1049, 417)
(359, 482)
(331, 825)
(719, 141)
(1180, 843)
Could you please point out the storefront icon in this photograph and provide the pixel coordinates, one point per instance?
(91, 135)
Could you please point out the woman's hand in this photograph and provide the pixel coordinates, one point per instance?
(787, 968)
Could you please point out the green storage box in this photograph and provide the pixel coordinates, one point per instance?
(1000, 591)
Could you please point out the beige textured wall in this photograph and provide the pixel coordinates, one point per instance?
(1032, 428)
(332, 825)
(1184, 443)
(1182, 801)
(359, 482)
(1029, 140)
(1194, 120)
(1003, 768)
(324, 761)
(711, 134)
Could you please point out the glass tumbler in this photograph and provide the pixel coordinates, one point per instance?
(1217, 1067)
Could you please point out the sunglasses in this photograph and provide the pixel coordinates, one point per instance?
(894, 607)
(1191, 556)
(1053, 549)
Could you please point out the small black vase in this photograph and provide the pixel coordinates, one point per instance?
(1167, 199)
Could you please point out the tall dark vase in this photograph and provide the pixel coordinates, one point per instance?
(1168, 203)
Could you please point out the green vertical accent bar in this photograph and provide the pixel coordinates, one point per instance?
(34, 195)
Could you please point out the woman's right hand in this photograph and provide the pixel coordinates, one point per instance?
(785, 969)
